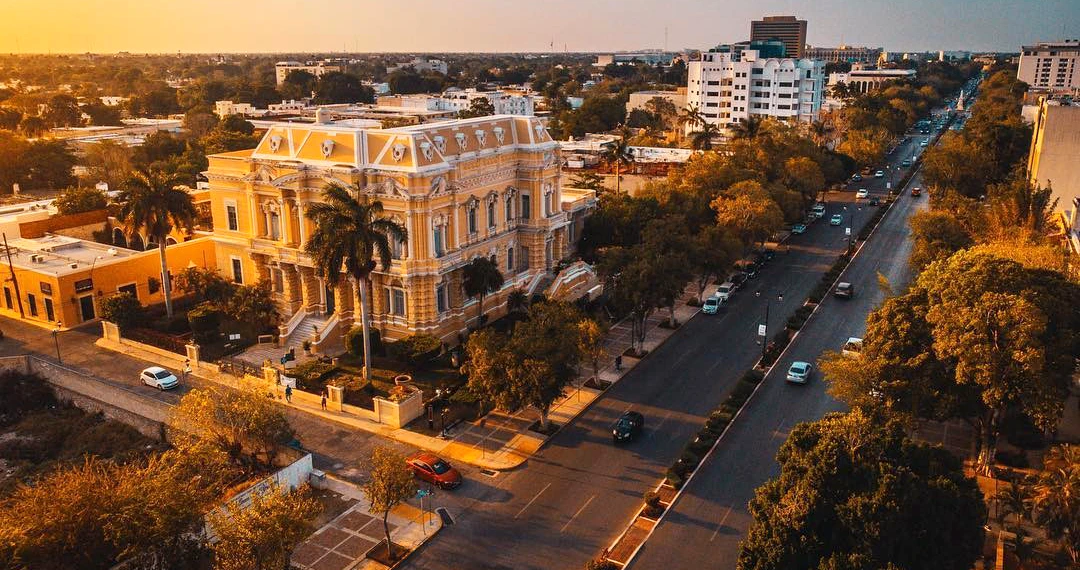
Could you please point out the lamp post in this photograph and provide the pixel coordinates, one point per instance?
(56, 340)
(763, 330)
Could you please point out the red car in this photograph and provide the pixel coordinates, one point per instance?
(430, 468)
(916, 191)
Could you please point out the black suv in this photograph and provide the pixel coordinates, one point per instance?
(627, 427)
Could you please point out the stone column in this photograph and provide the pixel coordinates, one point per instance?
(292, 294)
(343, 302)
(287, 223)
(261, 268)
(301, 223)
(311, 301)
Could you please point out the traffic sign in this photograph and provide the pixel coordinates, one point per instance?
(847, 231)
(424, 493)
(761, 330)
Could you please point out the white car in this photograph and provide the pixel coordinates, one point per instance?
(799, 373)
(852, 347)
(879, 174)
(819, 210)
(711, 305)
(159, 378)
(725, 291)
(862, 193)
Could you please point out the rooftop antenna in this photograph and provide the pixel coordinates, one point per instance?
(665, 38)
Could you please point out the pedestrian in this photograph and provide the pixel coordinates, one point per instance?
(618, 363)
(323, 402)
(187, 369)
(288, 394)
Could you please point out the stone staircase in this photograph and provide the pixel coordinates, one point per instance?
(305, 330)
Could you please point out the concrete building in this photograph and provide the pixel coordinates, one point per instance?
(488, 186)
(226, 108)
(461, 99)
(728, 89)
(421, 65)
(867, 80)
(282, 69)
(1054, 158)
(663, 58)
(787, 29)
(1051, 66)
(639, 99)
(845, 54)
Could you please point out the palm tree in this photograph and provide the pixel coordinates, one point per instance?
(152, 202)
(349, 233)
(618, 153)
(517, 300)
(691, 115)
(1014, 500)
(702, 138)
(1057, 498)
(480, 277)
(820, 131)
(749, 129)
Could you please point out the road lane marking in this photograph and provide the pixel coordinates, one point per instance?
(531, 501)
(656, 429)
(563, 529)
(721, 525)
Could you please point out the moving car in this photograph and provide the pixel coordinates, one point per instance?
(916, 191)
(798, 229)
(924, 144)
(844, 290)
(852, 347)
(725, 291)
(711, 305)
(429, 467)
(818, 210)
(875, 201)
(856, 177)
(906, 162)
(862, 193)
(628, 426)
(836, 220)
(159, 378)
(879, 174)
(799, 373)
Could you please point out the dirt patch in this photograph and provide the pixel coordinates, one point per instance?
(333, 505)
(597, 384)
(552, 427)
(635, 535)
(378, 553)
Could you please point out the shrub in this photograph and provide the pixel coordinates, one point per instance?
(653, 508)
(753, 376)
(600, 564)
(1016, 459)
(416, 350)
(312, 371)
(23, 393)
(742, 392)
(689, 458)
(79, 200)
(122, 309)
(205, 322)
(675, 478)
(1021, 432)
(354, 341)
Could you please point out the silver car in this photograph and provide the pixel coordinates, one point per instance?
(159, 378)
(799, 373)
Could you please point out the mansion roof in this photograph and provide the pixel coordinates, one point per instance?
(417, 148)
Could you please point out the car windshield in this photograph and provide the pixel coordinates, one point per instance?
(440, 467)
(725, 288)
(710, 301)
(162, 375)
(798, 368)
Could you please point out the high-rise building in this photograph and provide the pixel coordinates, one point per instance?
(787, 29)
(1053, 66)
(728, 87)
(1054, 159)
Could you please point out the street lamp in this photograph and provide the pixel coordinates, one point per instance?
(56, 340)
(763, 329)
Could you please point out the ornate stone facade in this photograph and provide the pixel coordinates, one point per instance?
(488, 186)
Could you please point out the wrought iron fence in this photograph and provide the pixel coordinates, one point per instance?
(238, 367)
(161, 340)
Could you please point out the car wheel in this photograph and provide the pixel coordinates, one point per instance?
(160, 387)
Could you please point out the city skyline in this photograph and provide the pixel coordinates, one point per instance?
(202, 26)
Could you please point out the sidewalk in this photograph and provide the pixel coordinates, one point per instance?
(344, 542)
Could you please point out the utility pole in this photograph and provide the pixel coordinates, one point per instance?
(14, 279)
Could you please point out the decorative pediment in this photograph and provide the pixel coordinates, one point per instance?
(440, 219)
(427, 150)
(388, 187)
(275, 142)
(472, 203)
(492, 197)
(440, 143)
(549, 158)
(439, 186)
(397, 152)
(481, 137)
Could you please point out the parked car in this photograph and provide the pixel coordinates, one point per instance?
(725, 291)
(798, 229)
(711, 305)
(738, 278)
(856, 177)
(799, 373)
(844, 290)
(906, 162)
(879, 174)
(429, 467)
(159, 378)
(818, 210)
(862, 193)
(628, 426)
(852, 347)
(836, 220)
(875, 201)
(916, 191)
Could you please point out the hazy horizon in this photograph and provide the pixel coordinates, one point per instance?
(485, 26)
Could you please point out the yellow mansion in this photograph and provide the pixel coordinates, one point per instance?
(488, 186)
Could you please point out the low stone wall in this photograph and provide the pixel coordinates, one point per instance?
(398, 414)
(94, 395)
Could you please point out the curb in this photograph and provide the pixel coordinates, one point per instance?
(767, 371)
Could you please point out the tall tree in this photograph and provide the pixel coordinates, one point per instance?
(1056, 499)
(245, 425)
(263, 534)
(479, 278)
(618, 154)
(389, 484)
(349, 233)
(109, 162)
(856, 493)
(702, 137)
(152, 202)
(478, 107)
(749, 210)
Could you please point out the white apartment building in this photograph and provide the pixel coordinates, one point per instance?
(460, 99)
(282, 69)
(867, 80)
(1053, 66)
(730, 88)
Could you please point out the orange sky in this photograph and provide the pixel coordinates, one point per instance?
(106, 26)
